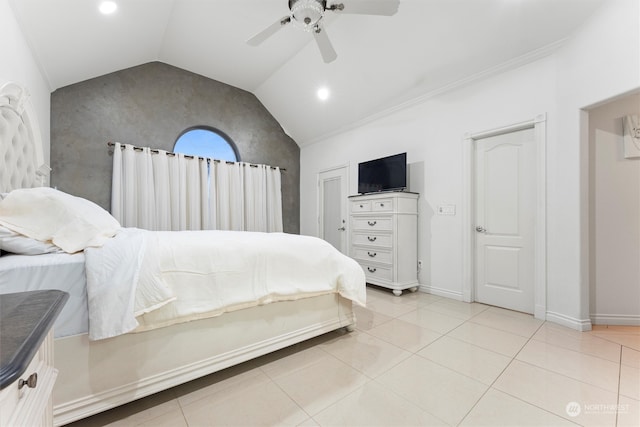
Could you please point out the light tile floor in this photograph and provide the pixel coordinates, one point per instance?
(417, 360)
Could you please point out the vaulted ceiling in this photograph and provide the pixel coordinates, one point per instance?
(382, 61)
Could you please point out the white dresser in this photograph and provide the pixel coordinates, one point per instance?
(384, 238)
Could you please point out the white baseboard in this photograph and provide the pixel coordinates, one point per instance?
(582, 325)
(540, 312)
(616, 319)
(441, 292)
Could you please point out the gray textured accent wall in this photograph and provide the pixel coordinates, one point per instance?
(151, 105)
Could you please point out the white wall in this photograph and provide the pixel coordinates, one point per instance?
(432, 133)
(614, 217)
(18, 65)
(601, 61)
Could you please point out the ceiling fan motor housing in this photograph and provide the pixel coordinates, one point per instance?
(307, 13)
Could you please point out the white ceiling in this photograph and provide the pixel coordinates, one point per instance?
(382, 61)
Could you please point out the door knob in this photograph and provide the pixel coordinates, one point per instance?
(481, 229)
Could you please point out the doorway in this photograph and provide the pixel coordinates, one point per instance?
(613, 173)
(505, 217)
(333, 188)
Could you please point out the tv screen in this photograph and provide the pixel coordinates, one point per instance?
(384, 174)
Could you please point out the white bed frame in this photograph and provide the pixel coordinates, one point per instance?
(98, 375)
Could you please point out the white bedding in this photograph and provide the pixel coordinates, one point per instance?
(62, 271)
(138, 280)
(175, 277)
(48, 215)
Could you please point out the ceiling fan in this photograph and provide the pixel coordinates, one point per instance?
(308, 14)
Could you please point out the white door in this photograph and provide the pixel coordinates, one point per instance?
(505, 220)
(332, 216)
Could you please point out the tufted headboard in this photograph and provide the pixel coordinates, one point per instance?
(21, 154)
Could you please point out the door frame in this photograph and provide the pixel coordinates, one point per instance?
(319, 203)
(538, 124)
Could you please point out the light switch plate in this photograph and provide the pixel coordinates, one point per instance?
(447, 210)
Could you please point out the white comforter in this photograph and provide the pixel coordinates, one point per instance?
(141, 280)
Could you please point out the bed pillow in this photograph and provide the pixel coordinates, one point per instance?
(15, 243)
(48, 215)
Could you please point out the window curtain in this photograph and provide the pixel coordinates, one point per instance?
(165, 191)
(131, 203)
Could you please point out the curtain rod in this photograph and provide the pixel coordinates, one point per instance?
(189, 156)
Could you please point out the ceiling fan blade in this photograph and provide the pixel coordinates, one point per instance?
(269, 31)
(324, 44)
(367, 7)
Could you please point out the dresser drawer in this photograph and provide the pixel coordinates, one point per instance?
(382, 205)
(13, 394)
(372, 239)
(367, 254)
(361, 206)
(28, 405)
(373, 273)
(372, 223)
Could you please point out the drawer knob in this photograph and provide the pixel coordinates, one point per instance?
(372, 223)
(382, 205)
(30, 382)
(361, 206)
(372, 254)
(371, 270)
(371, 239)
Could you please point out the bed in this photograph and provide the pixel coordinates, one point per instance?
(133, 326)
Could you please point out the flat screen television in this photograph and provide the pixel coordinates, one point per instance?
(384, 174)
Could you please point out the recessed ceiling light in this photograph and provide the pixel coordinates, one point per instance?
(108, 7)
(323, 93)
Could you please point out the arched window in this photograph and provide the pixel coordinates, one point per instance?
(206, 142)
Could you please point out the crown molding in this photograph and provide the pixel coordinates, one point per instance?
(514, 63)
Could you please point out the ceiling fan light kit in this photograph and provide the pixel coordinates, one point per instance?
(308, 14)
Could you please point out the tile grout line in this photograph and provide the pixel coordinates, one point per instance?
(561, 375)
(412, 353)
(583, 353)
(371, 379)
(605, 338)
(319, 347)
(453, 370)
(285, 393)
(619, 383)
(580, 353)
(490, 387)
(186, 421)
(535, 366)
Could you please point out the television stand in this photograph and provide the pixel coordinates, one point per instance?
(384, 238)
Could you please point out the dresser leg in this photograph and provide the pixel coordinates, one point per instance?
(397, 292)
